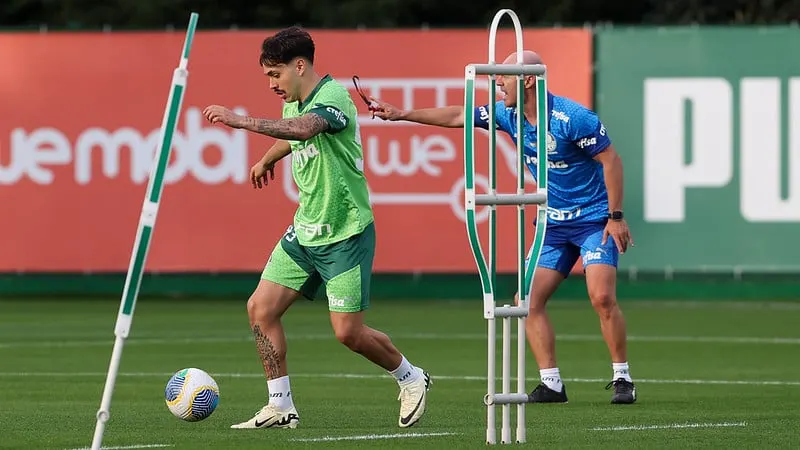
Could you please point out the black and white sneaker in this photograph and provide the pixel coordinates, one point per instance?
(543, 394)
(624, 391)
(271, 417)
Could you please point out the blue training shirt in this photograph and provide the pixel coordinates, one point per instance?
(576, 186)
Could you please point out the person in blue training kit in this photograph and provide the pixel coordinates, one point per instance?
(585, 217)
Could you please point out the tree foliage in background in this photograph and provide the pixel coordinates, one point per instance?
(158, 14)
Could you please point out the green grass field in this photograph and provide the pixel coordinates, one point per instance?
(710, 375)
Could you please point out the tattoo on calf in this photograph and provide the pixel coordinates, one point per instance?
(267, 353)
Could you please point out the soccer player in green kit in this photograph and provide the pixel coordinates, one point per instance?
(332, 238)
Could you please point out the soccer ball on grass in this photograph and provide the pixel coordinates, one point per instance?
(191, 394)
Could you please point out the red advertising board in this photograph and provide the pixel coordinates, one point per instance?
(80, 116)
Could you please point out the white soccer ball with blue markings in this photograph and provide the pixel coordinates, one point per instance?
(192, 395)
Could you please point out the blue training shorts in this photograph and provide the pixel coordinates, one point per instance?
(563, 244)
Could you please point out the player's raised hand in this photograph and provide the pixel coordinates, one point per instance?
(221, 114)
(618, 230)
(258, 174)
(386, 111)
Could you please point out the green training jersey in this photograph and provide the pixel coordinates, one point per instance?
(328, 169)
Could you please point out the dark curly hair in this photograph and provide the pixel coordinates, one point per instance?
(286, 45)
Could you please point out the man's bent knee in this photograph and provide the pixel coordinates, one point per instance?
(348, 328)
(545, 283)
(269, 301)
(349, 337)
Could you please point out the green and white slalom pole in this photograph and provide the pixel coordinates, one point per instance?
(144, 233)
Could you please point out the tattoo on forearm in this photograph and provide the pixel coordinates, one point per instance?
(299, 128)
(269, 356)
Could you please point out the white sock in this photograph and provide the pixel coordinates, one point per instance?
(621, 370)
(406, 373)
(551, 378)
(280, 393)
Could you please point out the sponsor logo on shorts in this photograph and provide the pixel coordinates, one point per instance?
(592, 256)
(596, 255)
(336, 302)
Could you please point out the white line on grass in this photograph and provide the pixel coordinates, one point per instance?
(671, 426)
(367, 376)
(371, 437)
(406, 336)
(126, 447)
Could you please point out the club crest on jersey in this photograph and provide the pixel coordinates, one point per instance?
(551, 143)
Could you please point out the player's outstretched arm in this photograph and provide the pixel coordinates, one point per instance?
(447, 116)
(293, 129)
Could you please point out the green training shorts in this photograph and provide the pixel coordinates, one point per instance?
(345, 267)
